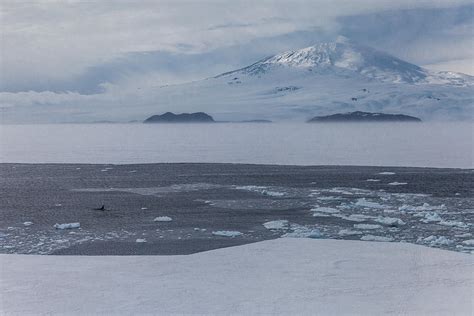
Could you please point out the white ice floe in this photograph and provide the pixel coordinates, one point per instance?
(355, 217)
(437, 241)
(429, 217)
(389, 221)
(163, 219)
(349, 232)
(375, 238)
(260, 189)
(424, 207)
(300, 231)
(397, 183)
(465, 235)
(285, 276)
(317, 214)
(27, 223)
(67, 225)
(227, 233)
(368, 204)
(140, 240)
(386, 173)
(328, 210)
(367, 226)
(469, 242)
(279, 224)
(373, 180)
(453, 224)
(328, 198)
(144, 208)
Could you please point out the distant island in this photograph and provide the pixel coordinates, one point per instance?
(168, 117)
(360, 116)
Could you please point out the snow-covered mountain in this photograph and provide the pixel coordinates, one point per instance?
(323, 79)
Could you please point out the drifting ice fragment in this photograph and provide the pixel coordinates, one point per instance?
(67, 225)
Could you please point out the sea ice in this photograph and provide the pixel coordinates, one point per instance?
(260, 189)
(438, 241)
(453, 224)
(28, 223)
(349, 232)
(367, 226)
(375, 238)
(397, 183)
(372, 180)
(430, 217)
(354, 217)
(279, 224)
(67, 225)
(299, 231)
(163, 219)
(390, 221)
(469, 242)
(465, 235)
(227, 233)
(364, 203)
(328, 210)
(386, 173)
(140, 240)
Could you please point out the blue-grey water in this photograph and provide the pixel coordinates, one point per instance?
(384, 144)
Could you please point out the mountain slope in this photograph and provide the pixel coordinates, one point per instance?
(324, 79)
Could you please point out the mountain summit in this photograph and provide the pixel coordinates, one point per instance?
(345, 58)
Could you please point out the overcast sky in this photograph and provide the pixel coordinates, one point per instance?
(82, 47)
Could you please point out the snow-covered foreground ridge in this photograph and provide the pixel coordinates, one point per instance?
(282, 276)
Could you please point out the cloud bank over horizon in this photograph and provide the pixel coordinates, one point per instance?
(53, 52)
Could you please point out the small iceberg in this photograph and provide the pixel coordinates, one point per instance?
(163, 219)
(275, 225)
(67, 225)
(227, 233)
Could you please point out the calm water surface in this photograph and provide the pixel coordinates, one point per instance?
(387, 144)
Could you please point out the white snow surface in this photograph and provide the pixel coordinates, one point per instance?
(282, 276)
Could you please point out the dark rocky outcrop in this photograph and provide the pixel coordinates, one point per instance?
(359, 116)
(168, 117)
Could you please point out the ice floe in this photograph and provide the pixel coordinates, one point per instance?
(163, 219)
(355, 217)
(67, 225)
(437, 240)
(469, 242)
(368, 204)
(27, 223)
(140, 240)
(397, 183)
(276, 225)
(260, 189)
(300, 231)
(373, 180)
(227, 233)
(389, 221)
(367, 226)
(349, 232)
(375, 238)
(328, 210)
(387, 173)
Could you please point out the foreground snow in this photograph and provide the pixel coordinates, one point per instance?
(282, 276)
